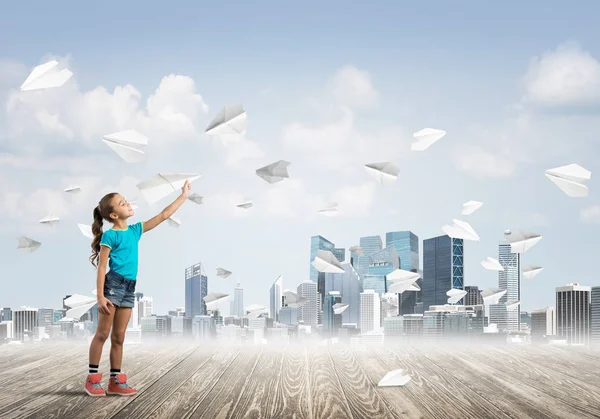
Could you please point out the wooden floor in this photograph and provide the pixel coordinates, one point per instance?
(192, 381)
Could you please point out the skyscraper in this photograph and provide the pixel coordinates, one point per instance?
(5, 314)
(308, 312)
(595, 316)
(510, 280)
(407, 246)
(543, 324)
(369, 245)
(276, 295)
(318, 243)
(238, 301)
(370, 312)
(349, 286)
(196, 288)
(573, 313)
(339, 253)
(381, 263)
(473, 297)
(443, 262)
(24, 322)
(329, 317)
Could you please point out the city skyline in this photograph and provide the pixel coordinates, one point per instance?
(329, 101)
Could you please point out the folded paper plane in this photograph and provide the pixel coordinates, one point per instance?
(73, 189)
(325, 261)
(274, 172)
(492, 264)
(86, 230)
(386, 306)
(215, 299)
(460, 230)
(399, 287)
(530, 271)
(254, 311)
(223, 273)
(246, 204)
(357, 249)
(50, 220)
(399, 275)
(46, 76)
(174, 221)
(455, 295)
(520, 241)
(425, 138)
(385, 173)
(339, 308)
(127, 144)
(512, 304)
(394, 378)
(28, 245)
(231, 120)
(293, 300)
(470, 207)
(164, 184)
(492, 295)
(195, 198)
(330, 210)
(79, 305)
(570, 179)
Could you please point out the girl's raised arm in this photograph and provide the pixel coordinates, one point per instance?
(168, 211)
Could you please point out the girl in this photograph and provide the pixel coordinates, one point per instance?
(116, 289)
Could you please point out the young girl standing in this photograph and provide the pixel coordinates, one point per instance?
(116, 288)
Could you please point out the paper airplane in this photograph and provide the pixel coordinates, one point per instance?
(400, 275)
(325, 261)
(174, 221)
(358, 250)
(223, 273)
(247, 204)
(455, 295)
(470, 207)
(164, 184)
(512, 304)
(86, 230)
(45, 76)
(492, 295)
(492, 264)
(385, 173)
(520, 242)
(214, 299)
(570, 179)
(79, 305)
(195, 198)
(339, 308)
(400, 287)
(127, 144)
(330, 210)
(394, 378)
(460, 230)
(73, 189)
(50, 220)
(293, 300)
(386, 306)
(274, 172)
(231, 120)
(425, 138)
(28, 245)
(255, 310)
(530, 271)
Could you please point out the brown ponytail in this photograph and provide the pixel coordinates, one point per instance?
(101, 212)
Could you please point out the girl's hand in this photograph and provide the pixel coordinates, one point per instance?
(185, 190)
(103, 305)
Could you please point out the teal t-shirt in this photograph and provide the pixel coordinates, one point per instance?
(123, 245)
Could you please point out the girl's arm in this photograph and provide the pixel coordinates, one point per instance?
(168, 211)
(102, 260)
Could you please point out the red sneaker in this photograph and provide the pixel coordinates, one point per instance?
(93, 386)
(118, 385)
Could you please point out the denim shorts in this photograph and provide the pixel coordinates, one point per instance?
(119, 290)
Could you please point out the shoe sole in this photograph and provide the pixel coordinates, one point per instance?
(95, 395)
(120, 394)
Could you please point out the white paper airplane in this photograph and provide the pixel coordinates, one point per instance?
(86, 230)
(274, 172)
(492, 295)
(399, 287)
(28, 245)
(294, 300)
(330, 210)
(195, 198)
(520, 242)
(492, 264)
(385, 173)
(325, 261)
(214, 299)
(79, 305)
(247, 204)
(357, 249)
(164, 184)
(512, 304)
(460, 230)
(231, 120)
(425, 138)
(73, 189)
(400, 275)
(50, 220)
(339, 308)
(174, 221)
(386, 306)
(455, 295)
(127, 144)
(570, 179)
(394, 378)
(45, 76)
(254, 311)
(530, 271)
(470, 207)
(223, 273)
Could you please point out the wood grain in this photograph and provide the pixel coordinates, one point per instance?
(292, 396)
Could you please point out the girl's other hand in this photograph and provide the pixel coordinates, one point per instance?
(185, 190)
(103, 304)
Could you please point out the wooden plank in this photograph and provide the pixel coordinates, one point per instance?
(328, 399)
(292, 396)
(190, 394)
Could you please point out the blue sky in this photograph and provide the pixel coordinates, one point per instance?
(470, 69)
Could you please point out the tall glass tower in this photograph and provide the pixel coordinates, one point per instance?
(196, 288)
(509, 280)
(381, 264)
(276, 298)
(443, 269)
(369, 245)
(407, 246)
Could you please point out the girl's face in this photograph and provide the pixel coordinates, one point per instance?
(121, 208)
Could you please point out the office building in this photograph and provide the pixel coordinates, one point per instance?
(45, 318)
(473, 297)
(370, 311)
(543, 324)
(381, 263)
(443, 269)
(339, 253)
(331, 321)
(308, 312)
(5, 314)
(196, 288)
(508, 320)
(349, 286)
(573, 313)
(595, 316)
(406, 244)
(24, 322)
(276, 298)
(369, 245)
(288, 316)
(238, 301)
(202, 327)
(318, 243)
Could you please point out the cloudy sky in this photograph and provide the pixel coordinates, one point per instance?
(328, 87)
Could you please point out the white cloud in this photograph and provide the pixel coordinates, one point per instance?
(240, 148)
(353, 87)
(568, 76)
(478, 162)
(590, 214)
(355, 201)
(50, 123)
(224, 204)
